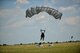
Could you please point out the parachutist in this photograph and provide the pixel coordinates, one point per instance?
(71, 37)
(42, 34)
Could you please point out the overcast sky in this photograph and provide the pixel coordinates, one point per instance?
(15, 28)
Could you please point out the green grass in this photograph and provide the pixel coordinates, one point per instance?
(56, 48)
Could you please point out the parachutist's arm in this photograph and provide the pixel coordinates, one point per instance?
(42, 31)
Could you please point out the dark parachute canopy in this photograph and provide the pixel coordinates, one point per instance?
(36, 10)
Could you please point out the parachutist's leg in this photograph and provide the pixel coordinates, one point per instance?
(41, 38)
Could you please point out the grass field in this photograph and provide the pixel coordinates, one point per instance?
(56, 48)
